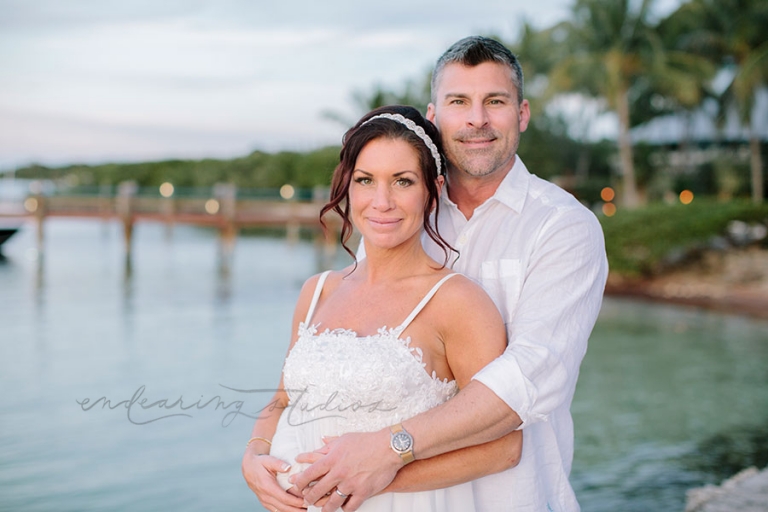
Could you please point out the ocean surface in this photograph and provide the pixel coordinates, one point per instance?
(136, 392)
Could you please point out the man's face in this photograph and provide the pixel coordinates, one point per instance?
(479, 118)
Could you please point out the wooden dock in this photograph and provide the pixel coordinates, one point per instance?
(222, 209)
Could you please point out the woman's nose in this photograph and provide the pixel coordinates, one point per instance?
(383, 198)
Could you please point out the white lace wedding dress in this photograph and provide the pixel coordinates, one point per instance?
(338, 382)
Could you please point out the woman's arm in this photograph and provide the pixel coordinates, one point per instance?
(259, 468)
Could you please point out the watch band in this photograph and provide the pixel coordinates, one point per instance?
(399, 437)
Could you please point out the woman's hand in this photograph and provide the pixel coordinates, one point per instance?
(260, 474)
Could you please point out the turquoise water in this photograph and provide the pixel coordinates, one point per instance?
(668, 398)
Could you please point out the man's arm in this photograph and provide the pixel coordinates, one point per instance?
(474, 416)
(451, 468)
(554, 315)
(459, 466)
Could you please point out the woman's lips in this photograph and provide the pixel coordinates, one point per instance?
(383, 221)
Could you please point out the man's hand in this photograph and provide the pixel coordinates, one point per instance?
(358, 465)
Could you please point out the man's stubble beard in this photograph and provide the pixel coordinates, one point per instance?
(481, 163)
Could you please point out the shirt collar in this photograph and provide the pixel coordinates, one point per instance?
(512, 190)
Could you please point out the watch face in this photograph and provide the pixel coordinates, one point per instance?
(401, 442)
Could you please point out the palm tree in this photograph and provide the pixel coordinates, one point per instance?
(732, 33)
(612, 50)
(606, 43)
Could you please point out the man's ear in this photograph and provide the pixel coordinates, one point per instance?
(524, 115)
(431, 112)
(440, 182)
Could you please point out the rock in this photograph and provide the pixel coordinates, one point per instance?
(747, 491)
(718, 243)
(742, 233)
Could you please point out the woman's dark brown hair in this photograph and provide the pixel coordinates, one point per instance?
(353, 143)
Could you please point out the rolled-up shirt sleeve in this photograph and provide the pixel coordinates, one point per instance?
(550, 321)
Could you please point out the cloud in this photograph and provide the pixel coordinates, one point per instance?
(106, 71)
(70, 15)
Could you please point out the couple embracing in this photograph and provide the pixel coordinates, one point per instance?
(450, 350)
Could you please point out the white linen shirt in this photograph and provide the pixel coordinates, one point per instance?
(540, 255)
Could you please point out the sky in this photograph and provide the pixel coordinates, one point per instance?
(89, 81)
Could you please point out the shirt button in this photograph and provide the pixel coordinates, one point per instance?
(463, 239)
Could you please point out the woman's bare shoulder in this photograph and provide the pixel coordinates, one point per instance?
(331, 282)
(464, 297)
(460, 284)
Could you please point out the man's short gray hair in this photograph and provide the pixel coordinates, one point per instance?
(475, 50)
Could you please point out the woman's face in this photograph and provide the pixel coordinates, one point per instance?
(387, 193)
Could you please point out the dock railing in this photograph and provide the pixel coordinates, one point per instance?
(223, 207)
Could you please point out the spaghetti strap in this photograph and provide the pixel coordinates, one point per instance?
(424, 301)
(316, 296)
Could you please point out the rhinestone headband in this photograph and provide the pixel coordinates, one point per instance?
(418, 130)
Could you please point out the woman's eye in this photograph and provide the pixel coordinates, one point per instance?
(404, 182)
(363, 180)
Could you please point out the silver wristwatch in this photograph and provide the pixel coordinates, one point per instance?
(401, 442)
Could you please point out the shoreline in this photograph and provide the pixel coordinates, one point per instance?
(734, 282)
(739, 302)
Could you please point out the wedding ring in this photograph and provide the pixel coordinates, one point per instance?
(345, 496)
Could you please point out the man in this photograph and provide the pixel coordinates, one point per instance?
(540, 256)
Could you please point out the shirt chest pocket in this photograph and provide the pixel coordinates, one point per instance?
(503, 280)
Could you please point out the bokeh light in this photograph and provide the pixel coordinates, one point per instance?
(166, 189)
(212, 206)
(607, 194)
(609, 209)
(287, 192)
(686, 197)
(30, 204)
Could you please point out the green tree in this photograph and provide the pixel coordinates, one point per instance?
(733, 34)
(613, 53)
(559, 138)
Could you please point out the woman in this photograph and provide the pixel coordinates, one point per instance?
(387, 338)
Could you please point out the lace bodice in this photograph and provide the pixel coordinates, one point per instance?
(367, 383)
